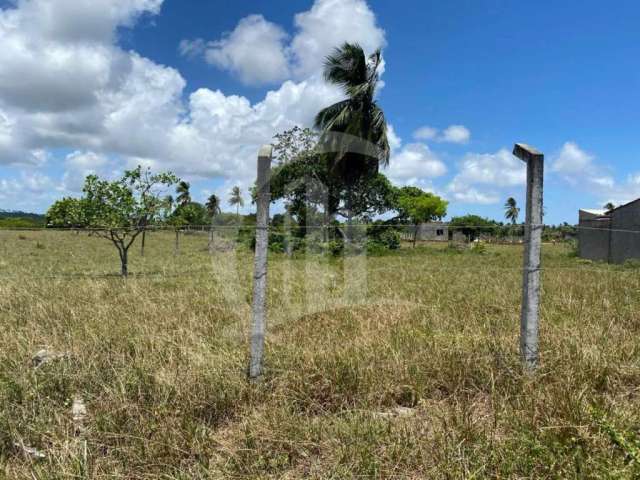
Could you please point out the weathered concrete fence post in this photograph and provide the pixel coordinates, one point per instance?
(533, 245)
(263, 199)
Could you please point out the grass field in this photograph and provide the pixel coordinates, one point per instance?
(416, 376)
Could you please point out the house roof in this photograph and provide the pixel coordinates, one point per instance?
(594, 211)
(626, 204)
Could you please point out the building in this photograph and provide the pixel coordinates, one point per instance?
(611, 236)
(433, 232)
(427, 232)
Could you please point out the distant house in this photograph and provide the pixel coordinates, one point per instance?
(611, 236)
(434, 232)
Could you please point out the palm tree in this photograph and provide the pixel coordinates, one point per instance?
(511, 210)
(609, 206)
(213, 207)
(184, 196)
(236, 199)
(354, 128)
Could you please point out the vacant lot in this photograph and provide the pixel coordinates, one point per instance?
(412, 373)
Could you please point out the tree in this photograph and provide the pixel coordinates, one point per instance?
(189, 214)
(66, 213)
(417, 206)
(184, 195)
(354, 130)
(213, 208)
(304, 178)
(120, 210)
(511, 210)
(236, 199)
(609, 206)
(472, 226)
(358, 117)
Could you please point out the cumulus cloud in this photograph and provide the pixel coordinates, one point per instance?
(329, 23)
(413, 163)
(456, 134)
(577, 166)
(64, 87)
(452, 134)
(78, 165)
(481, 177)
(260, 52)
(27, 191)
(580, 169)
(426, 133)
(254, 51)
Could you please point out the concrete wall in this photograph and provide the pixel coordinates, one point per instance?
(593, 236)
(434, 232)
(625, 232)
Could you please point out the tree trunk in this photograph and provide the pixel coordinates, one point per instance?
(144, 238)
(125, 263)
(211, 238)
(415, 235)
(349, 232)
(177, 247)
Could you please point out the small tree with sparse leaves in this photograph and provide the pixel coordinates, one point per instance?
(120, 210)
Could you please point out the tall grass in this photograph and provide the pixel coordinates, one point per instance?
(417, 378)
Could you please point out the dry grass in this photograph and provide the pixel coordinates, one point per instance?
(415, 376)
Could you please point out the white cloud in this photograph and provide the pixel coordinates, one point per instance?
(27, 192)
(581, 170)
(572, 159)
(395, 142)
(255, 51)
(452, 134)
(473, 195)
(328, 24)
(493, 172)
(80, 164)
(413, 163)
(62, 87)
(259, 51)
(577, 167)
(456, 134)
(426, 133)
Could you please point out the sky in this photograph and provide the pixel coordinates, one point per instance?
(195, 87)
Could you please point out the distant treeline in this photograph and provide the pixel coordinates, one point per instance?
(21, 220)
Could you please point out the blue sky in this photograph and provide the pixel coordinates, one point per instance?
(196, 86)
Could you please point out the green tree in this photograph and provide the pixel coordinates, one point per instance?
(354, 130)
(189, 215)
(609, 206)
(235, 198)
(304, 178)
(184, 194)
(511, 210)
(66, 213)
(120, 210)
(417, 206)
(472, 226)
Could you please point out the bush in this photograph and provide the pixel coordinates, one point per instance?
(335, 247)
(633, 263)
(390, 239)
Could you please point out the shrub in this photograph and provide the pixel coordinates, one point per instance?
(390, 239)
(335, 247)
(632, 263)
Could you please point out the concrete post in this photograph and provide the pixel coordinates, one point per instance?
(533, 245)
(263, 200)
